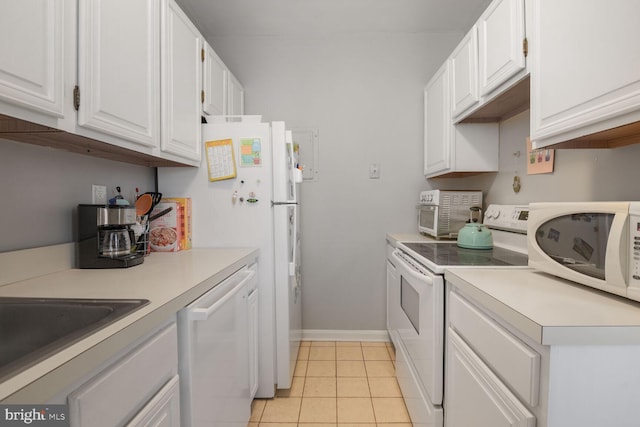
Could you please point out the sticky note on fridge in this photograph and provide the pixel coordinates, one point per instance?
(250, 152)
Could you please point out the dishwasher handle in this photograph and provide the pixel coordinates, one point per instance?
(204, 313)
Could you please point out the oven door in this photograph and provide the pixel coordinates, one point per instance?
(428, 219)
(419, 322)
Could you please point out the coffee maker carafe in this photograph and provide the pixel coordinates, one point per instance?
(105, 237)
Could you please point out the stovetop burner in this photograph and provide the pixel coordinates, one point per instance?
(449, 254)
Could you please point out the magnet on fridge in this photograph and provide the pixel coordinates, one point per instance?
(234, 198)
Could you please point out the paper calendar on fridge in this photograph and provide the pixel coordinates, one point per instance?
(220, 159)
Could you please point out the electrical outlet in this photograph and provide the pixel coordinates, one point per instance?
(99, 194)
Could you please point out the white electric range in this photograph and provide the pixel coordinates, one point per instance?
(416, 301)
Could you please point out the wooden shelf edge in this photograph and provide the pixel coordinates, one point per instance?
(620, 136)
(459, 174)
(31, 133)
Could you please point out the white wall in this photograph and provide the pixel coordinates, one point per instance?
(41, 188)
(364, 94)
(579, 175)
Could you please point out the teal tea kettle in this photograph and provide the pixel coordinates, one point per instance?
(474, 235)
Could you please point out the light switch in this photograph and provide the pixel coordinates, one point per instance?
(374, 171)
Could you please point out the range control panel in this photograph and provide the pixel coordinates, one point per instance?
(507, 217)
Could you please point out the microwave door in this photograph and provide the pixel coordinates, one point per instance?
(586, 247)
(578, 242)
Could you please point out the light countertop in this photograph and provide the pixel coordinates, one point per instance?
(550, 310)
(169, 281)
(395, 238)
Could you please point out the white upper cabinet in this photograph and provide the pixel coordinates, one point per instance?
(501, 35)
(132, 70)
(235, 97)
(489, 66)
(464, 73)
(214, 83)
(181, 77)
(222, 92)
(437, 123)
(454, 150)
(119, 69)
(32, 56)
(585, 70)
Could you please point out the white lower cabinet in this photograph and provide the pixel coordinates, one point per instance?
(139, 389)
(163, 410)
(475, 396)
(491, 376)
(496, 375)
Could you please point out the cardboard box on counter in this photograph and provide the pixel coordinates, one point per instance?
(172, 231)
(185, 217)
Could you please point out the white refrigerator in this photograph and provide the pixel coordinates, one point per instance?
(258, 207)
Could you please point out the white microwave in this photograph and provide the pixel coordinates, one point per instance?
(596, 244)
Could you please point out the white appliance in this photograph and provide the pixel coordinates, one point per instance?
(592, 243)
(257, 208)
(442, 213)
(415, 312)
(214, 353)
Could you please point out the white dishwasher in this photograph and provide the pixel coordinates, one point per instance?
(214, 366)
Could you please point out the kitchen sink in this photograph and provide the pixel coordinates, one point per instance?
(32, 329)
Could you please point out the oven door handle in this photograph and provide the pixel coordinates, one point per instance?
(408, 270)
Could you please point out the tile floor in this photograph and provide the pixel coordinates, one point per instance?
(337, 384)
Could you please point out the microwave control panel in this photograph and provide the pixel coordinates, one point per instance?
(634, 250)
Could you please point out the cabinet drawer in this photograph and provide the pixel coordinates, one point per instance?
(475, 396)
(115, 395)
(516, 363)
(163, 410)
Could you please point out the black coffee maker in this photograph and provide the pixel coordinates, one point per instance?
(105, 238)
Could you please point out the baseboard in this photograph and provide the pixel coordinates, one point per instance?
(342, 335)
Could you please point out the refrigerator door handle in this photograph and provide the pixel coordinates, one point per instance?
(292, 164)
(293, 234)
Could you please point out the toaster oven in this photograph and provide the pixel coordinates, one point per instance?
(442, 213)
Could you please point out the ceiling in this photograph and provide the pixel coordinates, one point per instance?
(216, 18)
